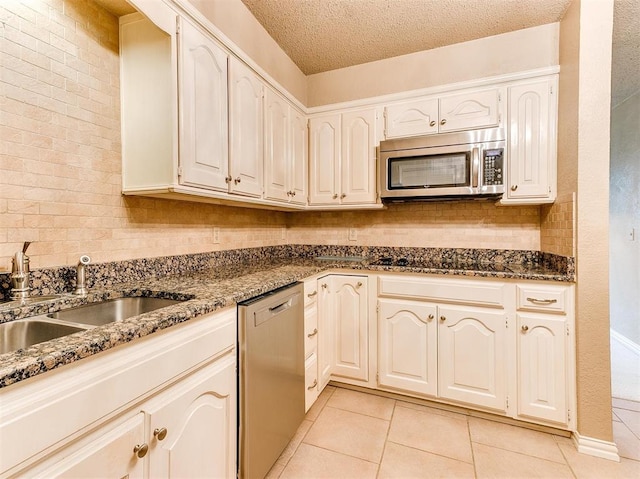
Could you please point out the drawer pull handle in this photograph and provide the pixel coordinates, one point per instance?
(525, 328)
(160, 433)
(315, 383)
(311, 295)
(542, 301)
(141, 450)
(311, 335)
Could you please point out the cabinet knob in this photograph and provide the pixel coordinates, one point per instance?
(335, 196)
(315, 383)
(430, 317)
(443, 318)
(343, 195)
(525, 328)
(237, 180)
(432, 123)
(443, 121)
(288, 193)
(228, 179)
(293, 193)
(514, 187)
(160, 433)
(141, 450)
(311, 335)
(359, 285)
(324, 285)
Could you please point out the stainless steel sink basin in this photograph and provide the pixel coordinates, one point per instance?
(27, 332)
(97, 314)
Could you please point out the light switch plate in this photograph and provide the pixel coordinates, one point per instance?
(216, 235)
(353, 234)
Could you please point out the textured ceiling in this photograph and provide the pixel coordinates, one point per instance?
(321, 35)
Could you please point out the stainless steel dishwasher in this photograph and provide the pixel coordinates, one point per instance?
(271, 377)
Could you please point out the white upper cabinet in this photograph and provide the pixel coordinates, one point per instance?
(285, 144)
(343, 158)
(531, 172)
(461, 111)
(204, 156)
(246, 93)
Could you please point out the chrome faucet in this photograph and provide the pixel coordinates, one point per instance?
(20, 274)
(81, 277)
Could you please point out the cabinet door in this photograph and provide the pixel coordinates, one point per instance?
(477, 109)
(199, 415)
(530, 141)
(109, 453)
(407, 346)
(471, 356)
(324, 151)
(358, 160)
(299, 154)
(246, 131)
(412, 118)
(326, 332)
(204, 156)
(276, 147)
(349, 295)
(542, 379)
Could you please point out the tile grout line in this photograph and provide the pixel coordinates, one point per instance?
(566, 460)
(473, 455)
(386, 438)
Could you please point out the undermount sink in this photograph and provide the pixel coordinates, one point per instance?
(23, 333)
(97, 314)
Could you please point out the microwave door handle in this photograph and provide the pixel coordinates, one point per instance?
(475, 165)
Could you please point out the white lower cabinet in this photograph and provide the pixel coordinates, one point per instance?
(472, 346)
(163, 406)
(407, 346)
(311, 334)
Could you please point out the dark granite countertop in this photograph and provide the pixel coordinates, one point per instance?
(207, 291)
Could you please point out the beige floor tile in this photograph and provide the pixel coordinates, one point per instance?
(627, 442)
(310, 462)
(631, 419)
(349, 433)
(589, 467)
(431, 410)
(407, 463)
(290, 450)
(320, 403)
(492, 462)
(516, 439)
(434, 433)
(362, 403)
(626, 404)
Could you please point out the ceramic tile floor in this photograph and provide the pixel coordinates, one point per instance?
(354, 435)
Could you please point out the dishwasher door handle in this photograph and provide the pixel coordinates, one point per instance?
(281, 307)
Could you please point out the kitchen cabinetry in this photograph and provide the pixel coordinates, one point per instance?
(181, 379)
(285, 150)
(543, 348)
(343, 328)
(246, 93)
(407, 346)
(531, 170)
(311, 333)
(472, 345)
(460, 111)
(343, 158)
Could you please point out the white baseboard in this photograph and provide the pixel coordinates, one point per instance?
(596, 447)
(626, 342)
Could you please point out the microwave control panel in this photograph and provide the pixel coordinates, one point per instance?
(493, 169)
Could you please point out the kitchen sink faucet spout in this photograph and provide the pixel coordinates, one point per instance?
(81, 276)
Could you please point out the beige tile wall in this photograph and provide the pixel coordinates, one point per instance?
(60, 150)
(465, 224)
(557, 226)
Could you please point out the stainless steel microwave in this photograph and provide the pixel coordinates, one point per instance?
(453, 165)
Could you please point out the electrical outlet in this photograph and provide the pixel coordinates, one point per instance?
(632, 234)
(216, 235)
(353, 234)
(283, 233)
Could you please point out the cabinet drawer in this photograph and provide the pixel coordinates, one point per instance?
(310, 292)
(310, 381)
(548, 298)
(485, 293)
